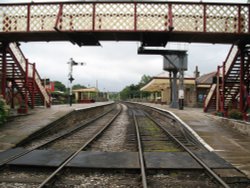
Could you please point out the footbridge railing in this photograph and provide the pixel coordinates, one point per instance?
(125, 17)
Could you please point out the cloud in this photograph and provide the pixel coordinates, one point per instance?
(206, 56)
(115, 64)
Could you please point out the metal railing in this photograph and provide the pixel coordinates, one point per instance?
(125, 16)
(231, 58)
(22, 62)
(228, 63)
(209, 95)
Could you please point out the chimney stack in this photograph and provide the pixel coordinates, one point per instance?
(196, 72)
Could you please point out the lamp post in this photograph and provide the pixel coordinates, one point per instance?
(70, 76)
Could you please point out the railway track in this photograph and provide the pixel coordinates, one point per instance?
(124, 147)
(90, 129)
(43, 140)
(152, 136)
(84, 145)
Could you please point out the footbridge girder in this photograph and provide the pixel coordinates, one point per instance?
(151, 22)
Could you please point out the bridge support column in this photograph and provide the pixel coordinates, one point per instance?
(223, 89)
(242, 85)
(4, 67)
(12, 87)
(181, 89)
(33, 86)
(218, 87)
(174, 102)
(24, 105)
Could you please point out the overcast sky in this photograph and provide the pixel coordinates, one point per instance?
(115, 64)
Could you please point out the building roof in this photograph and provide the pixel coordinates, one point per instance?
(165, 74)
(93, 89)
(161, 82)
(156, 85)
(206, 79)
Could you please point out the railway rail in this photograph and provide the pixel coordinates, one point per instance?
(65, 135)
(141, 149)
(152, 138)
(50, 178)
(34, 146)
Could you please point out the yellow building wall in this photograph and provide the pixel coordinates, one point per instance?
(189, 96)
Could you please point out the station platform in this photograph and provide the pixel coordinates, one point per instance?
(20, 127)
(229, 143)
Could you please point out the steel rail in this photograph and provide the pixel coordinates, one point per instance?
(204, 165)
(79, 126)
(185, 131)
(47, 180)
(141, 158)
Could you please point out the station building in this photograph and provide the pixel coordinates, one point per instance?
(86, 95)
(195, 89)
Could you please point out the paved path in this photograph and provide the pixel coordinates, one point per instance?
(22, 126)
(227, 142)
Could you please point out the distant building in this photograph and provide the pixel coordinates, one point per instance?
(195, 89)
(203, 84)
(86, 95)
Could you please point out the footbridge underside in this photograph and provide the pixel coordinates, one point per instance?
(151, 22)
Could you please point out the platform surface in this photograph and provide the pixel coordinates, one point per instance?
(228, 143)
(21, 127)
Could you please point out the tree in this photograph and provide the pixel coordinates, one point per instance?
(133, 91)
(59, 86)
(78, 86)
(144, 80)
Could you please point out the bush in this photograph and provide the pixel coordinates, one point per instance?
(235, 114)
(4, 110)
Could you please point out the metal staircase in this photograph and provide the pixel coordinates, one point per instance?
(22, 80)
(234, 85)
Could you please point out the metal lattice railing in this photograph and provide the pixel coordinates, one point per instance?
(222, 16)
(154, 16)
(125, 16)
(43, 17)
(188, 17)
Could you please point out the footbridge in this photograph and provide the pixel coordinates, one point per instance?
(154, 23)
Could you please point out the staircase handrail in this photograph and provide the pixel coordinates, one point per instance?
(18, 55)
(22, 61)
(41, 87)
(232, 55)
(209, 96)
(37, 73)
